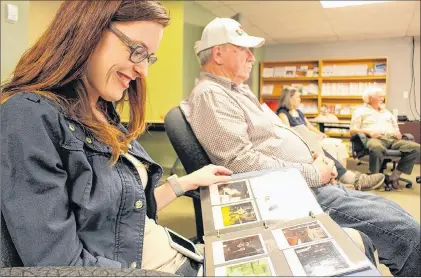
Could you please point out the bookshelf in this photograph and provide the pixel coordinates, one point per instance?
(337, 84)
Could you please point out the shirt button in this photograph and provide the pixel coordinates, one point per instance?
(138, 204)
(72, 127)
(133, 265)
(88, 140)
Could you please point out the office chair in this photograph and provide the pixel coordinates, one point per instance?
(361, 152)
(191, 154)
(11, 265)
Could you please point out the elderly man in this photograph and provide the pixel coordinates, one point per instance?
(375, 121)
(239, 133)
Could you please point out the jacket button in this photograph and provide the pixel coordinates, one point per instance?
(138, 204)
(72, 127)
(88, 140)
(133, 265)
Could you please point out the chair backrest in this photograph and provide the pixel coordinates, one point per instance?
(9, 255)
(184, 142)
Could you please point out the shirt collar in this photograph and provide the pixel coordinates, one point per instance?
(371, 107)
(223, 81)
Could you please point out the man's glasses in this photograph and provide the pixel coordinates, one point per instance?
(138, 52)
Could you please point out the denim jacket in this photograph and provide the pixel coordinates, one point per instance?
(62, 202)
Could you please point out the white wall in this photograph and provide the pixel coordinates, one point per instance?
(14, 37)
(398, 51)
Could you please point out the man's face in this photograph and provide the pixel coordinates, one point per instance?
(237, 61)
(377, 99)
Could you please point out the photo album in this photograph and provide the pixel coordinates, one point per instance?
(268, 223)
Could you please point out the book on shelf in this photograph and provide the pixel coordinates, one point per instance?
(267, 72)
(379, 69)
(290, 71)
(267, 90)
(268, 223)
(279, 72)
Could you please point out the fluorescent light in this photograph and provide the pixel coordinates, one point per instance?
(338, 4)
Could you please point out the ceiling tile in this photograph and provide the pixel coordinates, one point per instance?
(414, 26)
(390, 17)
(210, 4)
(278, 8)
(307, 39)
(369, 36)
(224, 11)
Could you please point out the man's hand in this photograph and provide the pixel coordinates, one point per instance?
(398, 135)
(325, 167)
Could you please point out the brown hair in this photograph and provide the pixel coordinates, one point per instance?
(53, 67)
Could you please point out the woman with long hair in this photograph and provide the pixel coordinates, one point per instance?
(77, 188)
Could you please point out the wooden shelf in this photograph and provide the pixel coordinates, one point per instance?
(279, 83)
(310, 115)
(299, 78)
(276, 97)
(338, 134)
(343, 116)
(370, 77)
(342, 97)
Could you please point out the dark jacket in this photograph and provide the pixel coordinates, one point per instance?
(62, 202)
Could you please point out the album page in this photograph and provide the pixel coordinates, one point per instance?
(311, 246)
(251, 198)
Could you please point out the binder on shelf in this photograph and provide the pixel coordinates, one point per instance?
(268, 223)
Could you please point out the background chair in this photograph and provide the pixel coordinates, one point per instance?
(11, 265)
(191, 154)
(361, 152)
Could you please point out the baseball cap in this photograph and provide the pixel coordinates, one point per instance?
(226, 30)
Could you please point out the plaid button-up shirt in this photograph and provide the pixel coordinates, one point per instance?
(237, 132)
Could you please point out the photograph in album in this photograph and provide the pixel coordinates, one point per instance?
(318, 259)
(233, 192)
(300, 234)
(258, 267)
(238, 248)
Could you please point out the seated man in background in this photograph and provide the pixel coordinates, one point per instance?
(238, 132)
(375, 121)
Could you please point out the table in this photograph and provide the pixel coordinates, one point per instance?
(333, 124)
(341, 124)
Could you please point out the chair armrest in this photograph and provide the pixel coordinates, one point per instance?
(408, 137)
(359, 145)
(194, 194)
(78, 272)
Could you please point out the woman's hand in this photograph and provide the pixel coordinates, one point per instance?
(205, 176)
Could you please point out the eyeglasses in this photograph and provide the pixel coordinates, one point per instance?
(138, 52)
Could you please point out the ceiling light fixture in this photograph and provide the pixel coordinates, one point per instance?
(339, 4)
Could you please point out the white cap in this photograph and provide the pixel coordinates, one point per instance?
(226, 30)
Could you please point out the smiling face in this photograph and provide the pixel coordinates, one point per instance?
(109, 69)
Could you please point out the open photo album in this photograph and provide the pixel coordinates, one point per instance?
(269, 223)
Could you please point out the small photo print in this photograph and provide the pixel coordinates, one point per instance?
(234, 214)
(319, 259)
(259, 267)
(229, 192)
(238, 248)
(300, 234)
